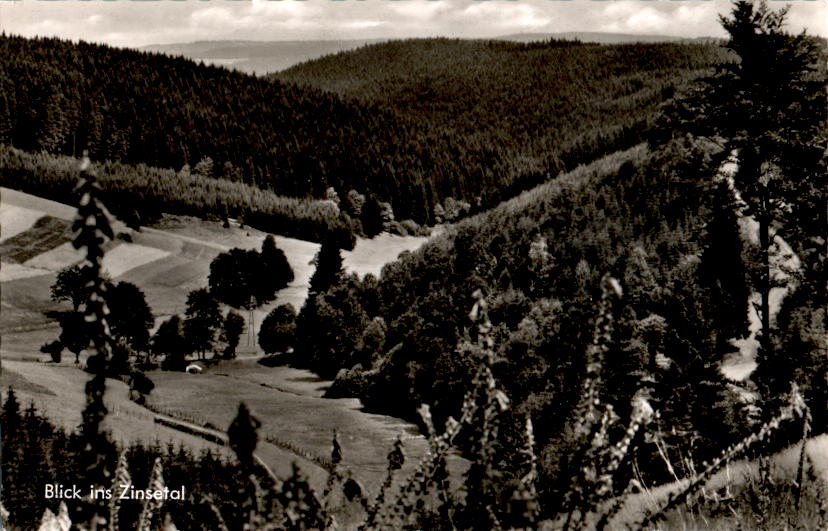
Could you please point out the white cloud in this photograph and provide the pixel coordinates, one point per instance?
(647, 20)
(511, 16)
(418, 10)
(139, 23)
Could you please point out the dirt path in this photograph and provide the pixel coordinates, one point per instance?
(784, 261)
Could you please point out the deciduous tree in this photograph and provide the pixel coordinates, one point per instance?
(130, 316)
(69, 285)
(203, 321)
(169, 341)
(231, 333)
(278, 329)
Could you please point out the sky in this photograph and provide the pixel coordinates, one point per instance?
(136, 23)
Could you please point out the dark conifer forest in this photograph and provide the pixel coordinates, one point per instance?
(492, 118)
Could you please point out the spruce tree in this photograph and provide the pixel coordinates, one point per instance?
(371, 217)
(11, 411)
(328, 268)
(768, 108)
(276, 271)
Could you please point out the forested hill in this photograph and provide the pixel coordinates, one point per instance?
(133, 107)
(528, 108)
(410, 122)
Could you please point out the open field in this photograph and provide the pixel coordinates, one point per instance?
(293, 414)
(288, 413)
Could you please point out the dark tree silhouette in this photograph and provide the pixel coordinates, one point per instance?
(74, 333)
(278, 328)
(236, 278)
(70, 285)
(169, 342)
(130, 316)
(277, 273)
(231, 333)
(722, 270)
(371, 217)
(203, 321)
(328, 270)
(768, 107)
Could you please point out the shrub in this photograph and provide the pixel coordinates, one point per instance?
(54, 349)
(278, 328)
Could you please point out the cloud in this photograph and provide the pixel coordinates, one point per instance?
(514, 17)
(130, 23)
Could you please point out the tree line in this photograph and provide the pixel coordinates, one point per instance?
(139, 194)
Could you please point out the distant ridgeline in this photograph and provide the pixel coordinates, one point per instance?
(411, 122)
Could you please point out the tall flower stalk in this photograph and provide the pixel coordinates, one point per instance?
(94, 229)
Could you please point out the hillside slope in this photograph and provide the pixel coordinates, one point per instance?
(648, 217)
(531, 109)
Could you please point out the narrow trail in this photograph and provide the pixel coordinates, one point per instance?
(741, 364)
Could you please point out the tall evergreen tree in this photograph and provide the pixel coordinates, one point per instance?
(11, 410)
(371, 217)
(277, 273)
(768, 107)
(329, 269)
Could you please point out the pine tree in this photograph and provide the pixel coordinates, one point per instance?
(328, 270)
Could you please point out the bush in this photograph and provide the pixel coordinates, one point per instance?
(278, 328)
(54, 350)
